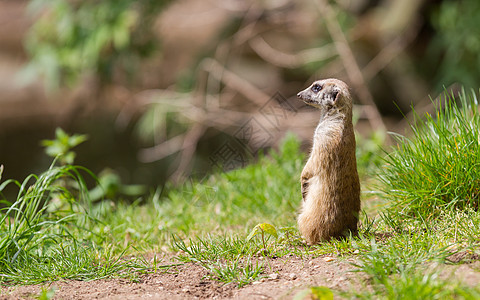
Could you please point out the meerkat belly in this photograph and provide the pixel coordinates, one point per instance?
(323, 199)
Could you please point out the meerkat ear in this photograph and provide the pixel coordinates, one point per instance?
(334, 94)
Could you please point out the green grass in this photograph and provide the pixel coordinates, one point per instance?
(76, 262)
(29, 225)
(228, 260)
(414, 285)
(400, 253)
(263, 192)
(409, 264)
(438, 167)
(46, 232)
(430, 182)
(225, 203)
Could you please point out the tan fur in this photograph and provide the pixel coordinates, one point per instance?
(330, 185)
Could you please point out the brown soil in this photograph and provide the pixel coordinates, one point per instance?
(463, 257)
(283, 278)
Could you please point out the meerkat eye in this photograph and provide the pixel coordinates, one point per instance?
(316, 88)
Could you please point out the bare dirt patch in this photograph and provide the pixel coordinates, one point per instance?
(283, 278)
(463, 256)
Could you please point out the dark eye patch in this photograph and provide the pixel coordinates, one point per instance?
(316, 88)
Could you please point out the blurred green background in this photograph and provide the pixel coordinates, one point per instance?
(174, 89)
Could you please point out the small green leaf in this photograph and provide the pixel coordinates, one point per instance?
(268, 228)
(322, 293)
(46, 294)
(316, 292)
(62, 144)
(262, 227)
(77, 139)
(47, 143)
(55, 150)
(69, 157)
(253, 233)
(60, 134)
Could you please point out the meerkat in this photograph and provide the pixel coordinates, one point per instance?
(329, 182)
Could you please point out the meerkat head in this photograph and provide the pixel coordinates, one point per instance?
(327, 95)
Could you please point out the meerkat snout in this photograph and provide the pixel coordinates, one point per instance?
(329, 181)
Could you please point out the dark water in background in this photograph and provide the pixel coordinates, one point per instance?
(107, 147)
